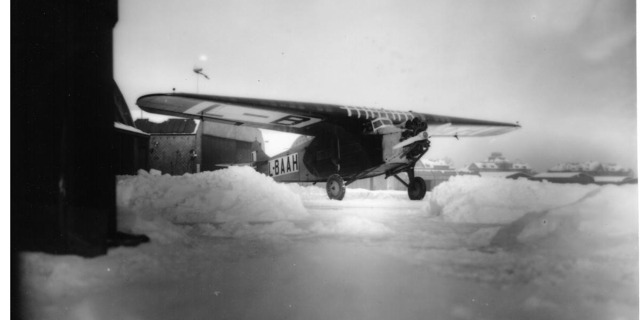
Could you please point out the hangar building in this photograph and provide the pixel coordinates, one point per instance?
(179, 146)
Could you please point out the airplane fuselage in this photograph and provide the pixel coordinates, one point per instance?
(336, 151)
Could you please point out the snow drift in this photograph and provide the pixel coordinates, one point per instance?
(235, 244)
(235, 199)
(497, 200)
(152, 203)
(586, 216)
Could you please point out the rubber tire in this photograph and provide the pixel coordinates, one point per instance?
(335, 187)
(417, 189)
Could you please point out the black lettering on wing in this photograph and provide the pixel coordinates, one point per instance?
(291, 120)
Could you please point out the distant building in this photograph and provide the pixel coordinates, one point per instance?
(619, 180)
(564, 177)
(593, 168)
(179, 146)
(612, 169)
(482, 166)
(434, 172)
(521, 167)
(608, 173)
(497, 163)
(504, 174)
(430, 164)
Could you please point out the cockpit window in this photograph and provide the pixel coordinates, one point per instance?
(377, 123)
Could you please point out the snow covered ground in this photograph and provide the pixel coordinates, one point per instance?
(234, 244)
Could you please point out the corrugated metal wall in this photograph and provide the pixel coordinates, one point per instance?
(172, 154)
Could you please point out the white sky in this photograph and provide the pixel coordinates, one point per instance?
(565, 70)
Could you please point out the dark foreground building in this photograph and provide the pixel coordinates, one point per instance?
(131, 145)
(62, 92)
(62, 130)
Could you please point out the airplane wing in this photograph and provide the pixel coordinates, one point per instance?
(302, 117)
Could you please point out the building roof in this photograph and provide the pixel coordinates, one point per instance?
(497, 161)
(552, 175)
(122, 113)
(431, 164)
(170, 126)
(127, 128)
(520, 165)
(502, 174)
(486, 165)
(612, 179)
(613, 167)
(577, 166)
(428, 174)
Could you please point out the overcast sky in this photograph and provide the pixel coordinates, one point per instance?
(564, 69)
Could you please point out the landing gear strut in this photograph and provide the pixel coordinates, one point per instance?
(416, 188)
(335, 187)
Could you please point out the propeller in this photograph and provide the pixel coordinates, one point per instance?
(418, 137)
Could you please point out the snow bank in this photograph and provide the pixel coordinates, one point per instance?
(495, 200)
(239, 201)
(318, 192)
(308, 192)
(565, 216)
(155, 204)
(607, 216)
(235, 244)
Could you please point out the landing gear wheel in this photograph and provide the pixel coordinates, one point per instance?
(417, 189)
(335, 187)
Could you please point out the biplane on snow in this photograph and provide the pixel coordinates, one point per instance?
(341, 144)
